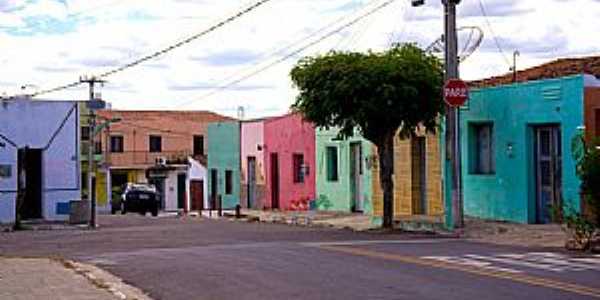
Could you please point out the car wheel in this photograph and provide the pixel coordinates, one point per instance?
(113, 210)
(155, 212)
(123, 209)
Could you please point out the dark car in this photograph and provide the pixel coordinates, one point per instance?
(137, 197)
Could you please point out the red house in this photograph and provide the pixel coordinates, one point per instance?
(289, 158)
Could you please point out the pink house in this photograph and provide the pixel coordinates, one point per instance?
(278, 162)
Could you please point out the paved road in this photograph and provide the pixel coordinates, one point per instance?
(191, 258)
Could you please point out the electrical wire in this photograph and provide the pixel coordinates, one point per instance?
(494, 37)
(160, 52)
(291, 54)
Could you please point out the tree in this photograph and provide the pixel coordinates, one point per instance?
(378, 93)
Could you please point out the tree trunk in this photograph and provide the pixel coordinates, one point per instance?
(385, 150)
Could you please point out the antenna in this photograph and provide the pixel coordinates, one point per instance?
(470, 36)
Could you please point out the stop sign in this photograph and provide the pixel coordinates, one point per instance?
(456, 92)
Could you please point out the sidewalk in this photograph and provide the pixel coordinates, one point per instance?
(528, 235)
(353, 221)
(43, 278)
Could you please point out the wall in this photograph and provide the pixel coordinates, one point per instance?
(197, 171)
(337, 195)
(509, 194)
(403, 189)
(224, 154)
(287, 135)
(252, 143)
(21, 123)
(592, 103)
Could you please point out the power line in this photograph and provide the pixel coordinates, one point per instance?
(495, 38)
(162, 51)
(291, 54)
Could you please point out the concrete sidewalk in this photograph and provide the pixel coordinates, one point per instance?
(43, 278)
(340, 220)
(503, 233)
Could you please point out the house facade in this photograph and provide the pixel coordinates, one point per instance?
(45, 135)
(289, 155)
(417, 179)
(155, 147)
(344, 175)
(253, 175)
(516, 147)
(224, 164)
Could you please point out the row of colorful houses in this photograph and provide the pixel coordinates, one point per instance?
(516, 153)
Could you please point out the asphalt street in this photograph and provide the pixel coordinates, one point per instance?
(194, 258)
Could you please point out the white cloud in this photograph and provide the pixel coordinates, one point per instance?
(78, 37)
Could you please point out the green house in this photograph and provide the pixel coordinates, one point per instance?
(224, 164)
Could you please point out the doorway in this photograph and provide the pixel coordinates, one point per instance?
(251, 182)
(197, 194)
(31, 208)
(357, 203)
(548, 171)
(274, 181)
(213, 188)
(181, 192)
(418, 175)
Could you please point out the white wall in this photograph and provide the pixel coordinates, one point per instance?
(196, 171)
(33, 123)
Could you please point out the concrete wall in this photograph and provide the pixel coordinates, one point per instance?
(337, 195)
(34, 124)
(224, 154)
(509, 194)
(252, 143)
(197, 171)
(286, 136)
(403, 183)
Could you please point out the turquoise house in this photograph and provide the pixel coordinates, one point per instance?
(343, 175)
(224, 164)
(516, 148)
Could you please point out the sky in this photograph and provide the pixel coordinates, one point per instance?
(48, 43)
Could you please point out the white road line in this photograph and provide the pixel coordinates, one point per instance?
(470, 262)
(515, 262)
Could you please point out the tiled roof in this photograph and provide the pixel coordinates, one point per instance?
(554, 69)
(206, 116)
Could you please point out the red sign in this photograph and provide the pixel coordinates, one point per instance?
(456, 92)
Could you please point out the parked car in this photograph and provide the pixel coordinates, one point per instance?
(137, 197)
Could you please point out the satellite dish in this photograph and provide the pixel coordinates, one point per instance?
(470, 37)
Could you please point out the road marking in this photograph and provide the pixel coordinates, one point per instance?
(372, 242)
(516, 277)
(471, 262)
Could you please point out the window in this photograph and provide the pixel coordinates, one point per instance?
(332, 163)
(198, 145)
(85, 133)
(155, 143)
(98, 147)
(482, 161)
(298, 167)
(116, 144)
(228, 182)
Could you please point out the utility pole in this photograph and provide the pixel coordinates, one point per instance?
(453, 160)
(91, 81)
(453, 113)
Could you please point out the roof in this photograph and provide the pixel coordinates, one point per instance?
(181, 114)
(557, 68)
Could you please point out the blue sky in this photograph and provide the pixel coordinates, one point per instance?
(52, 42)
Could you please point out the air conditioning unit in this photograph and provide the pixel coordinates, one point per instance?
(161, 161)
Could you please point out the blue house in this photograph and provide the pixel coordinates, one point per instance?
(45, 135)
(516, 147)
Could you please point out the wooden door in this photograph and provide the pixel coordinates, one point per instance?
(274, 181)
(548, 169)
(418, 176)
(251, 182)
(197, 194)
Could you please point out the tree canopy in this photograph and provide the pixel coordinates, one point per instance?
(375, 91)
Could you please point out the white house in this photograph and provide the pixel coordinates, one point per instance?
(46, 135)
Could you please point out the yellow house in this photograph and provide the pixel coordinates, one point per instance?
(417, 180)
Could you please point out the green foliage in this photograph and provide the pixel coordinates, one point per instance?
(323, 203)
(581, 230)
(587, 157)
(375, 92)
